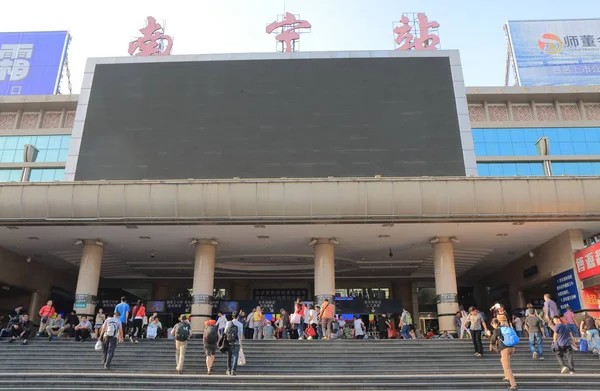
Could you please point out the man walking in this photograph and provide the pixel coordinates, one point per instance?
(46, 313)
(569, 317)
(590, 330)
(562, 341)
(405, 323)
(110, 333)
(182, 333)
(125, 310)
(234, 333)
(221, 323)
(535, 328)
(550, 310)
(210, 338)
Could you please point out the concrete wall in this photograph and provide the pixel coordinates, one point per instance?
(551, 258)
(34, 277)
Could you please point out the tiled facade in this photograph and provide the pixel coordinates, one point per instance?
(507, 124)
(45, 123)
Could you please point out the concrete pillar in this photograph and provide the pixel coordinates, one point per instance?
(402, 291)
(445, 283)
(324, 270)
(35, 303)
(89, 277)
(160, 290)
(204, 277)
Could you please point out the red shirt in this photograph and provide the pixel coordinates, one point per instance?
(47, 311)
(138, 312)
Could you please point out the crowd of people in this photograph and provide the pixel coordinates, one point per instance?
(507, 331)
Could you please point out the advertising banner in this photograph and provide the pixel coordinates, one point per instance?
(556, 52)
(587, 261)
(31, 62)
(566, 291)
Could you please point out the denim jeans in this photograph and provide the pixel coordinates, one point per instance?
(233, 354)
(300, 328)
(574, 329)
(405, 331)
(592, 336)
(536, 338)
(519, 333)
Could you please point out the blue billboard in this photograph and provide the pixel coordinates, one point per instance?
(567, 294)
(556, 52)
(31, 62)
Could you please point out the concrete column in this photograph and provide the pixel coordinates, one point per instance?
(35, 303)
(204, 277)
(445, 283)
(89, 277)
(160, 290)
(324, 269)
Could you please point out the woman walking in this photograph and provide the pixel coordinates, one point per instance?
(137, 315)
(497, 343)
(474, 322)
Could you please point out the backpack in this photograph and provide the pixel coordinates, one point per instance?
(111, 328)
(211, 335)
(232, 334)
(183, 332)
(509, 337)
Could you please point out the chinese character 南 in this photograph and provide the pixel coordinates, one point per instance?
(14, 61)
(151, 43)
(287, 36)
(580, 264)
(571, 41)
(425, 41)
(590, 261)
(588, 41)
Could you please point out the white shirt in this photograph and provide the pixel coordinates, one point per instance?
(312, 315)
(341, 322)
(518, 324)
(221, 322)
(358, 330)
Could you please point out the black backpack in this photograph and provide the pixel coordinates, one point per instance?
(232, 334)
(211, 335)
(183, 332)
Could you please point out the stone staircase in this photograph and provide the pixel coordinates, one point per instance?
(287, 365)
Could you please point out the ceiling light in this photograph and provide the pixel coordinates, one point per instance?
(260, 226)
(387, 225)
(312, 242)
(78, 242)
(33, 238)
(531, 254)
(333, 241)
(145, 237)
(454, 239)
(434, 240)
(193, 242)
(5, 288)
(501, 234)
(518, 223)
(12, 227)
(131, 226)
(262, 237)
(383, 236)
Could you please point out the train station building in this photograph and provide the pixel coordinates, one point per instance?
(373, 178)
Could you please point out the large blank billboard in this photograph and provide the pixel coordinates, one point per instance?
(302, 118)
(556, 52)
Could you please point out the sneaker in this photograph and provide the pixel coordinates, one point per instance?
(50, 338)
(309, 338)
(11, 340)
(106, 366)
(227, 373)
(24, 342)
(564, 370)
(233, 373)
(541, 358)
(571, 372)
(535, 355)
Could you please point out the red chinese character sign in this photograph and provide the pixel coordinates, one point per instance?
(153, 41)
(587, 262)
(417, 33)
(288, 34)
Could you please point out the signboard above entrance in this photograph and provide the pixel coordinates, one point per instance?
(587, 262)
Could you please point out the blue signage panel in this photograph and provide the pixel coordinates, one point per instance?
(556, 52)
(567, 295)
(31, 62)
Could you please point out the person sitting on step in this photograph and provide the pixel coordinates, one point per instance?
(21, 330)
(83, 330)
(56, 327)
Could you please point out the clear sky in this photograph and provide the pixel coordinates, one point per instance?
(104, 28)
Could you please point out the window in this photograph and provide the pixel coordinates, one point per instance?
(576, 168)
(46, 174)
(50, 148)
(10, 175)
(521, 141)
(510, 169)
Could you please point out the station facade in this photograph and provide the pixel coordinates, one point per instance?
(265, 177)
